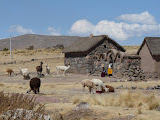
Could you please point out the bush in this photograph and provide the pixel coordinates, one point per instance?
(19, 106)
(5, 49)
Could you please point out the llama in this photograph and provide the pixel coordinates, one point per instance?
(47, 70)
(111, 89)
(25, 73)
(9, 71)
(35, 84)
(39, 70)
(62, 68)
(100, 85)
(89, 84)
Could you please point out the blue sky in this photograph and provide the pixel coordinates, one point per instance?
(125, 21)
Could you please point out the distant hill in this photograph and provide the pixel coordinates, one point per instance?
(131, 49)
(38, 41)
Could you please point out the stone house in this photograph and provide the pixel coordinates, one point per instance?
(87, 55)
(149, 53)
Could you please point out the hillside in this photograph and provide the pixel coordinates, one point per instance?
(38, 41)
(45, 41)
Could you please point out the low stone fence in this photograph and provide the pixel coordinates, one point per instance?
(129, 68)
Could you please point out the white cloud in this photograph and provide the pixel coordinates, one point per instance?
(81, 27)
(143, 18)
(141, 29)
(118, 30)
(110, 28)
(53, 31)
(84, 28)
(19, 29)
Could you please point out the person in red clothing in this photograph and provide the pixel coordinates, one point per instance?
(103, 73)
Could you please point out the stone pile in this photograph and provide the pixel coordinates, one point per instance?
(157, 87)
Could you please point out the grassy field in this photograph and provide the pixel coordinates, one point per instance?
(131, 49)
(61, 94)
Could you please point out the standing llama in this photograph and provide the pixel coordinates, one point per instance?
(39, 70)
(35, 84)
(62, 68)
(9, 71)
(47, 70)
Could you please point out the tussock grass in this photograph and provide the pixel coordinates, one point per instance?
(126, 99)
(1, 85)
(18, 101)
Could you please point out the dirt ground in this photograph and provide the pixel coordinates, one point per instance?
(58, 92)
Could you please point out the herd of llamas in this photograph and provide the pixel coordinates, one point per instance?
(94, 85)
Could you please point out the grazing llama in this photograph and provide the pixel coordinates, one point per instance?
(89, 84)
(25, 73)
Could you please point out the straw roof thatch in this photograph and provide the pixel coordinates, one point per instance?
(85, 44)
(153, 44)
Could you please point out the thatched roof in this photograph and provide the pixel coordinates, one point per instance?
(85, 44)
(153, 44)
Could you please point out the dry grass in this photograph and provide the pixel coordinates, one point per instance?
(125, 99)
(23, 59)
(141, 104)
(18, 101)
(131, 49)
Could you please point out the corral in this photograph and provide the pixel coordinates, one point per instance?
(131, 100)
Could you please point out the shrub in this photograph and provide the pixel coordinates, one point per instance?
(5, 49)
(18, 106)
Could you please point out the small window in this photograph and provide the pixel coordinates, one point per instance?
(105, 46)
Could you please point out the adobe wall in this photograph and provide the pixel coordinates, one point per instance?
(147, 62)
(150, 65)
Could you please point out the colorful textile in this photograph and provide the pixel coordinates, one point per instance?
(110, 71)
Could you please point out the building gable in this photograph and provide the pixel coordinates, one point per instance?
(85, 45)
(153, 44)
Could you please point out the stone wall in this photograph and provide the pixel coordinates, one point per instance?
(99, 57)
(129, 68)
(152, 75)
(92, 63)
(78, 65)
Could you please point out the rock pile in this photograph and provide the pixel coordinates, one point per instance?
(157, 87)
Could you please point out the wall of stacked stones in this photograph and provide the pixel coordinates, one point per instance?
(98, 60)
(90, 64)
(129, 68)
(150, 75)
(78, 65)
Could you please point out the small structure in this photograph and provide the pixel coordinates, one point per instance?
(149, 53)
(88, 55)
